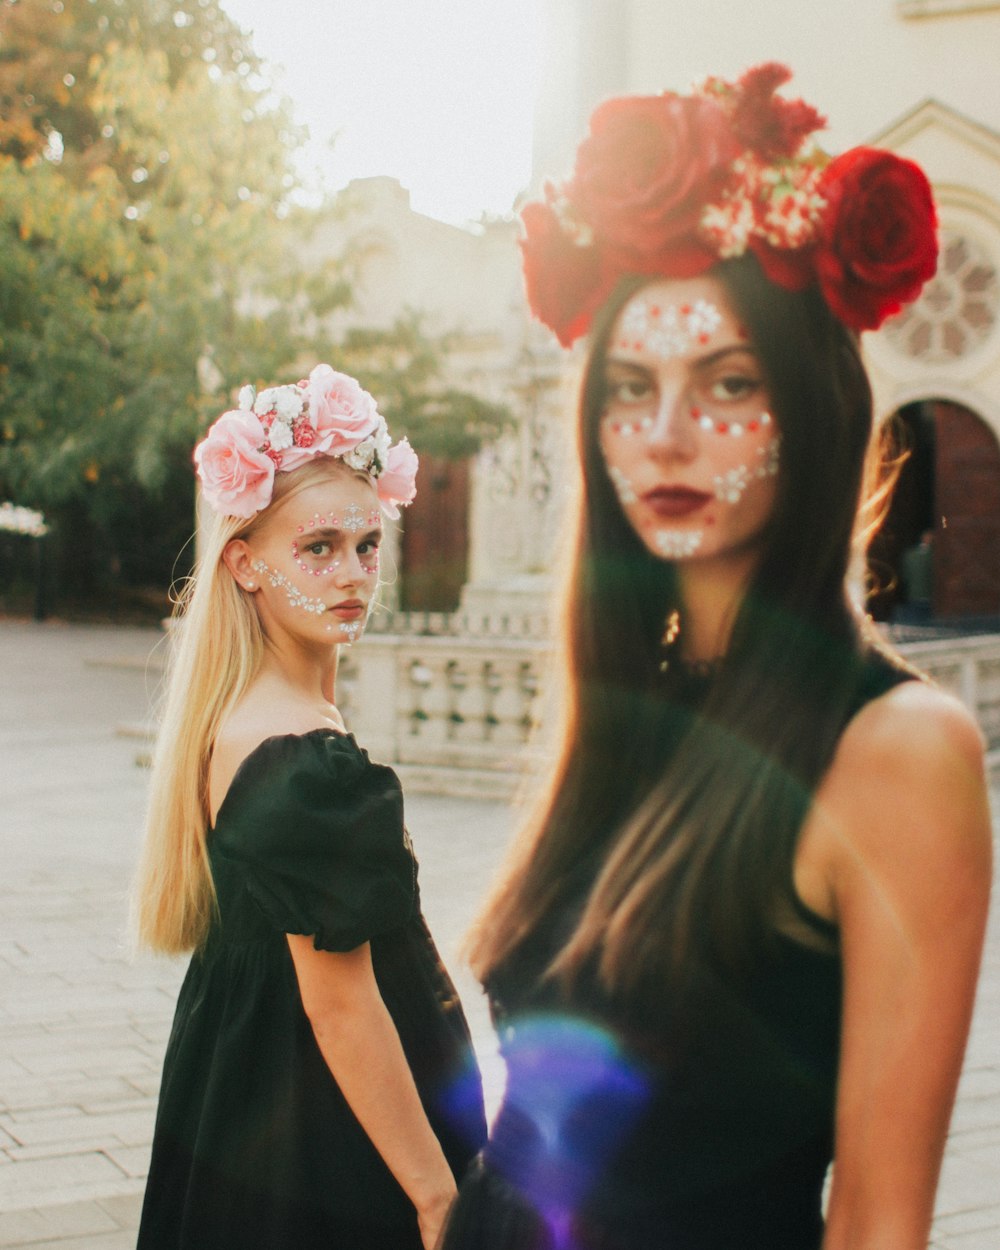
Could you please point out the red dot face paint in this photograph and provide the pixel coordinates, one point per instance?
(689, 444)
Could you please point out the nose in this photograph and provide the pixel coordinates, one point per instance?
(673, 434)
(349, 571)
(355, 569)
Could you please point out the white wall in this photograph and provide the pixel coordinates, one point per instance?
(861, 62)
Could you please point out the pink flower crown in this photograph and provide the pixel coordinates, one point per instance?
(668, 185)
(278, 429)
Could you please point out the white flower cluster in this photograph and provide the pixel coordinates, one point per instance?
(15, 519)
(779, 203)
(285, 414)
(284, 405)
(371, 453)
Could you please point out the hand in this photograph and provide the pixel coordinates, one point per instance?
(431, 1217)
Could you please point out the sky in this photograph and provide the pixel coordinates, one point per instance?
(436, 93)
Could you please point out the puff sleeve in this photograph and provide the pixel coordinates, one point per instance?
(316, 832)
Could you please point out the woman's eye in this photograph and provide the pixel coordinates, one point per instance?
(367, 549)
(628, 390)
(734, 386)
(318, 549)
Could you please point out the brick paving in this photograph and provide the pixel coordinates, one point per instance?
(83, 1021)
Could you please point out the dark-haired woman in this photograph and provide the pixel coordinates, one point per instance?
(740, 938)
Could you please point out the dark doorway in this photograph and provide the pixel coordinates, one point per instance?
(436, 537)
(949, 488)
(911, 512)
(967, 535)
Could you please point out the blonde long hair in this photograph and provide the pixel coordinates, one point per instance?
(217, 645)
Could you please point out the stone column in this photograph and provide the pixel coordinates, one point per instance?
(520, 487)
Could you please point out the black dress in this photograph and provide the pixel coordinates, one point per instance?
(612, 1136)
(255, 1147)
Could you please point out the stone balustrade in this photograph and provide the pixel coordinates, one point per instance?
(451, 701)
(455, 702)
(969, 668)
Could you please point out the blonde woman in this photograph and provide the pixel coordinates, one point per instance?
(319, 1089)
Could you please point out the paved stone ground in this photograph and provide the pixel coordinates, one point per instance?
(83, 1023)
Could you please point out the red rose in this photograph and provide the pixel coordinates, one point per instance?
(878, 240)
(770, 126)
(790, 267)
(648, 167)
(564, 282)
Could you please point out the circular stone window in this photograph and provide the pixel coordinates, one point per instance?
(957, 309)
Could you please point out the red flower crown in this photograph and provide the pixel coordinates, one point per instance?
(668, 185)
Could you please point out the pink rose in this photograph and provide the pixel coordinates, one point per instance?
(396, 484)
(342, 413)
(236, 476)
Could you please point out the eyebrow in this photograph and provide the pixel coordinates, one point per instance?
(330, 531)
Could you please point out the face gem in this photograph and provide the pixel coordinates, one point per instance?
(771, 456)
(667, 331)
(352, 629)
(676, 544)
(354, 519)
(330, 568)
(729, 487)
(297, 598)
(623, 487)
(628, 428)
(734, 428)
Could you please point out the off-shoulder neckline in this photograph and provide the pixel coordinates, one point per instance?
(320, 731)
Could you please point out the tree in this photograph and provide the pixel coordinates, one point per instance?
(150, 264)
(406, 370)
(143, 193)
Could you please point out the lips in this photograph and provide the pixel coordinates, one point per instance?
(675, 501)
(349, 610)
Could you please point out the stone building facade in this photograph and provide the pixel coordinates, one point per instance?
(453, 697)
(916, 76)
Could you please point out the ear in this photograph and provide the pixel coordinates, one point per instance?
(238, 559)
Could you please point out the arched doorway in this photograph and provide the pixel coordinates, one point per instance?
(436, 537)
(948, 488)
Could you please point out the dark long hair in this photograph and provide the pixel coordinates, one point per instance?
(692, 811)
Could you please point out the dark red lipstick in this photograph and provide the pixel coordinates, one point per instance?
(675, 501)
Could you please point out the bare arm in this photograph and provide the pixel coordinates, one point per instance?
(359, 1042)
(907, 826)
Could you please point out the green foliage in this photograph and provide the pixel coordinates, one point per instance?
(151, 261)
(406, 371)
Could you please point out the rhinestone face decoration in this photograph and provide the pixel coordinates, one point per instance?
(296, 556)
(354, 519)
(730, 487)
(667, 332)
(677, 544)
(623, 487)
(734, 429)
(297, 598)
(627, 428)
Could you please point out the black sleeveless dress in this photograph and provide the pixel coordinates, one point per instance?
(255, 1147)
(610, 1137)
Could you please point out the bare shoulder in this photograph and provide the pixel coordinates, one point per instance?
(256, 718)
(912, 728)
(907, 788)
